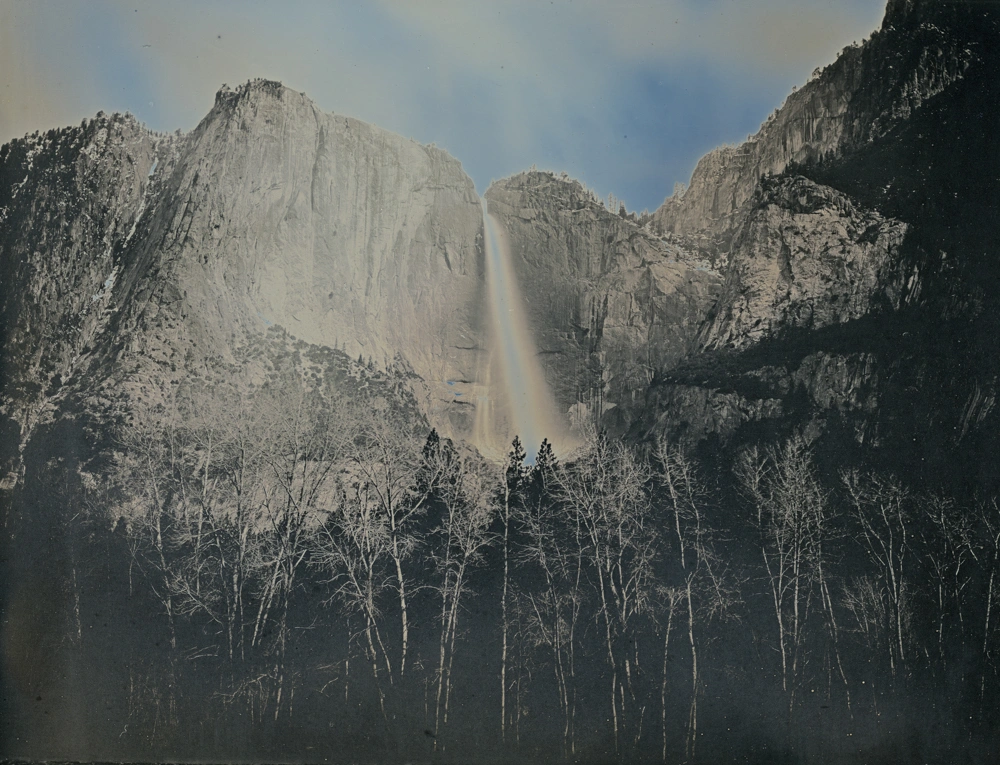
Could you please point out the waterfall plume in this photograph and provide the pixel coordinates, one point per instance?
(514, 397)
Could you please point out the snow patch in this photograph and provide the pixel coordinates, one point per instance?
(106, 288)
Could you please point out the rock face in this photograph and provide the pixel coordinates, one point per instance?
(345, 235)
(923, 48)
(860, 285)
(129, 256)
(70, 202)
(806, 257)
(610, 302)
(833, 272)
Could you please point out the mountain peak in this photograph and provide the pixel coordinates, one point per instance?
(251, 89)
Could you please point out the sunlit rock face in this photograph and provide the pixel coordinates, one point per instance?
(803, 273)
(809, 267)
(608, 301)
(344, 234)
(140, 259)
(806, 257)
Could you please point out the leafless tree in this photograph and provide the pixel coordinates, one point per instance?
(222, 488)
(791, 513)
(387, 457)
(552, 554)
(354, 546)
(986, 554)
(463, 493)
(704, 589)
(513, 478)
(143, 478)
(881, 505)
(671, 600)
(949, 548)
(605, 493)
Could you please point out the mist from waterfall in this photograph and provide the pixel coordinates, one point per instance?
(515, 398)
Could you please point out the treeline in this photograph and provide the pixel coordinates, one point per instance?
(302, 573)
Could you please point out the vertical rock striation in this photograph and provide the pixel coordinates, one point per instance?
(344, 234)
(923, 47)
(860, 283)
(130, 261)
(807, 257)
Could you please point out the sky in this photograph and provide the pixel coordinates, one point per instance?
(624, 95)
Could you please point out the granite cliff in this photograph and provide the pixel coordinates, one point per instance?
(808, 278)
(859, 288)
(130, 260)
(923, 48)
(611, 302)
(835, 278)
(345, 235)
(70, 203)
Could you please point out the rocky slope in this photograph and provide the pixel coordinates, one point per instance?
(70, 202)
(610, 303)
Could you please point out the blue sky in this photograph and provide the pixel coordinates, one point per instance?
(624, 95)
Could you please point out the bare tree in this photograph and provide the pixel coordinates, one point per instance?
(230, 485)
(463, 493)
(513, 479)
(552, 559)
(949, 548)
(986, 553)
(354, 546)
(144, 479)
(306, 445)
(703, 588)
(791, 512)
(882, 508)
(605, 492)
(388, 458)
(671, 600)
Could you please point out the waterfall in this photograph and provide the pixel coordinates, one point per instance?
(522, 405)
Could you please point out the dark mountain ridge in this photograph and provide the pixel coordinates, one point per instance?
(861, 257)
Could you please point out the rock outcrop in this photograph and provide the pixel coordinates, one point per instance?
(70, 202)
(806, 257)
(860, 279)
(923, 48)
(344, 234)
(832, 270)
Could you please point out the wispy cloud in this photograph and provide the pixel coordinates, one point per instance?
(625, 95)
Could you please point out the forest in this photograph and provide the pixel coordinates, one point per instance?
(287, 571)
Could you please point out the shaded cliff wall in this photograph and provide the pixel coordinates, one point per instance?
(861, 279)
(921, 49)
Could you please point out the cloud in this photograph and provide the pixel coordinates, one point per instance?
(618, 93)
